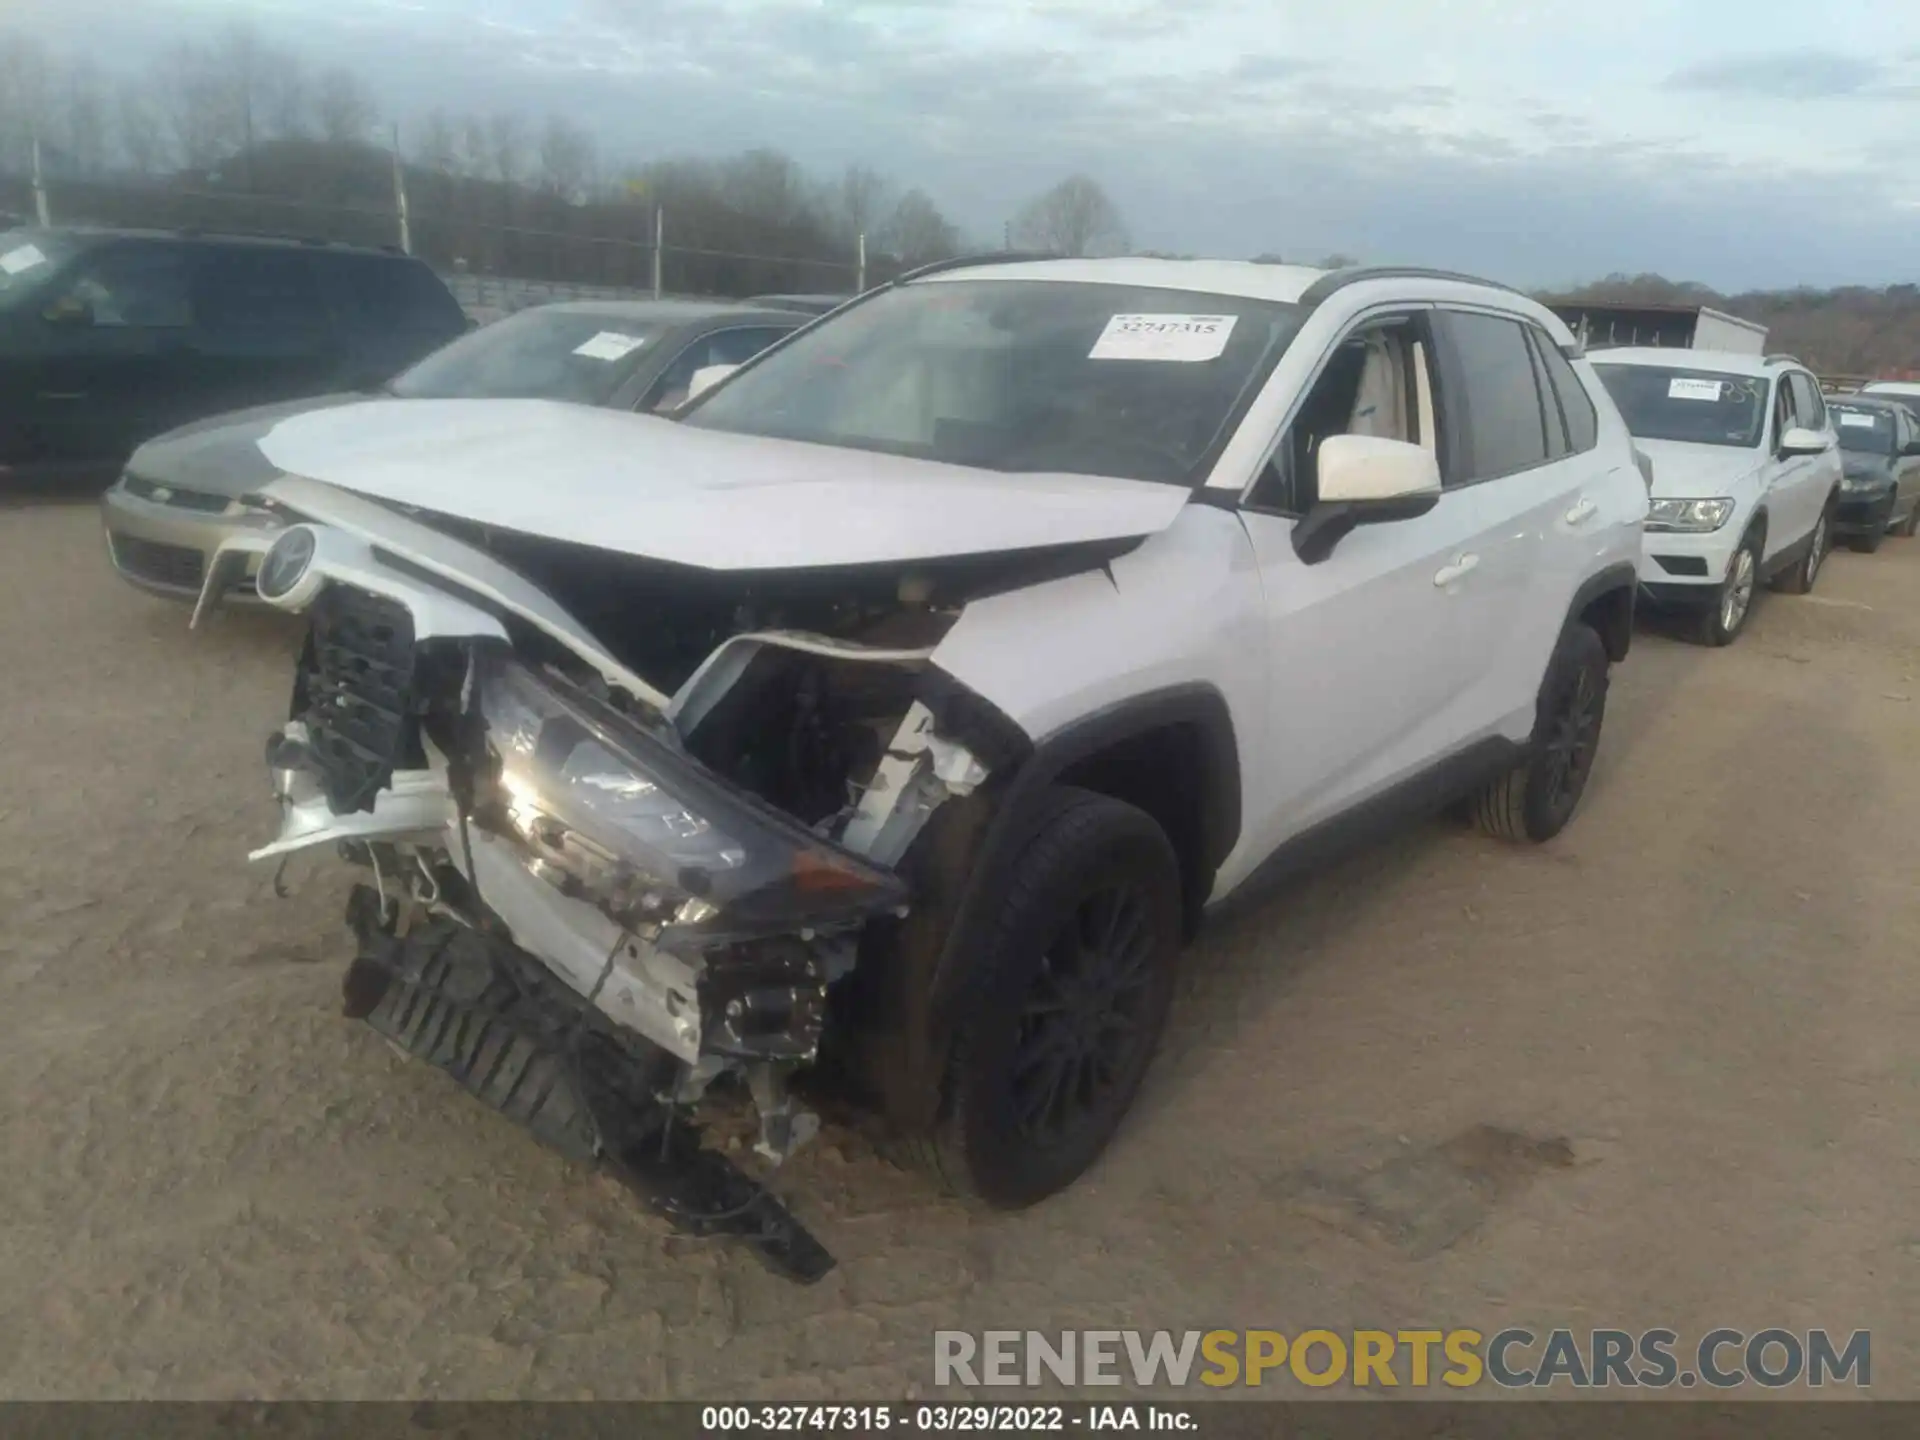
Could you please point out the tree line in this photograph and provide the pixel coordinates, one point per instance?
(235, 133)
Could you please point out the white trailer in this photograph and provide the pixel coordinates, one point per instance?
(1685, 327)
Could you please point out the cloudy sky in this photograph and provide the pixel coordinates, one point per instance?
(1739, 142)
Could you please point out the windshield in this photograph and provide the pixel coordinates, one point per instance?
(534, 355)
(1867, 430)
(26, 258)
(1700, 407)
(1019, 375)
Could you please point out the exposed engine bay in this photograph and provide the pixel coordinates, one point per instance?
(589, 908)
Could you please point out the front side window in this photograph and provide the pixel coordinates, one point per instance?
(1020, 376)
(1696, 407)
(1810, 409)
(1866, 430)
(139, 287)
(1375, 382)
(1499, 423)
(582, 356)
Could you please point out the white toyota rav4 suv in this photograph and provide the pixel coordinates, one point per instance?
(1746, 475)
(895, 713)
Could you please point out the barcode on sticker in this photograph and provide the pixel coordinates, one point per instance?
(1682, 388)
(1185, 338)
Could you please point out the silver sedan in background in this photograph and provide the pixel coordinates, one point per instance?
(181, 493)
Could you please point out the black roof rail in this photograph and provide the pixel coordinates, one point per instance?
(967, 262)
(1335, 280)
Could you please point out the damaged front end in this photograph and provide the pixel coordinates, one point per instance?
(589, 898)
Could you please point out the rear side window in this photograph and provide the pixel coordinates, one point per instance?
(1576, 406)
(1557, 446)
(258, 293)
(374, 293)
(1491, 398)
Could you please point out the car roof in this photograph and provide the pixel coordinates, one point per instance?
(100, 234)
(1676, 357)
(671, 312)
(1891, 387)
(1250, 279)
(1872, 402)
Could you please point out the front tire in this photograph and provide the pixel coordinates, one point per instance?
(1535, 800)
(1723, 620)
(1071, 994)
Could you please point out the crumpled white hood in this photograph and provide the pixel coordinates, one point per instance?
(1683, 471)
(651, 487)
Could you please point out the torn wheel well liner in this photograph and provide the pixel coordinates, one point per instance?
(1172, 753)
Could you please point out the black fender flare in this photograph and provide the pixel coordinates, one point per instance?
(1621, 577)
(964, 857)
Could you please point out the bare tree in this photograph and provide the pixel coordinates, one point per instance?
(506, 145)
(195, 113)
(566, 159)
(82, 117)
(860, 201)
(1075, 217)
(344, 107)
(474, 150)
(764, 184)
(1338, 261)
(286, 99)
(917, 233)
(142, 144)
(439, 147)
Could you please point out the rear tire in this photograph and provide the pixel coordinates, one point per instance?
(1535, 800)
(1068, 1001)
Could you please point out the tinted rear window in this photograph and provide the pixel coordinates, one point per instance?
(374, 293)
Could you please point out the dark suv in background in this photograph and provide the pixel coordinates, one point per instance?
(108, 337)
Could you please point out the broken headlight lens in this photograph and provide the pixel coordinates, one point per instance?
(632, 823)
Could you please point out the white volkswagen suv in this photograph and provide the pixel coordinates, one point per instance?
(896, 711)
(1746, 474)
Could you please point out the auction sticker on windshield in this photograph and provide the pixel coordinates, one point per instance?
(610, 345)
(1681, 388)
(1856, 417)
(23, 257)
(1163, 337)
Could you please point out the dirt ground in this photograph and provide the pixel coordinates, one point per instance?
(214, 1186)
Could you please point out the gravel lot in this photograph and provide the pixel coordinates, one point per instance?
(217, 1187)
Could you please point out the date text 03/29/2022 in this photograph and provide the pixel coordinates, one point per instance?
(1451, 1359)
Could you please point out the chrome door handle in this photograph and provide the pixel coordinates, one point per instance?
(1582, 512)
(1462, 566)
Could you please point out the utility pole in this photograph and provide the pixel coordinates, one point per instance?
(860, 269)
(42, 212)
(1006, 234)
(659, 242)
(400, 196)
